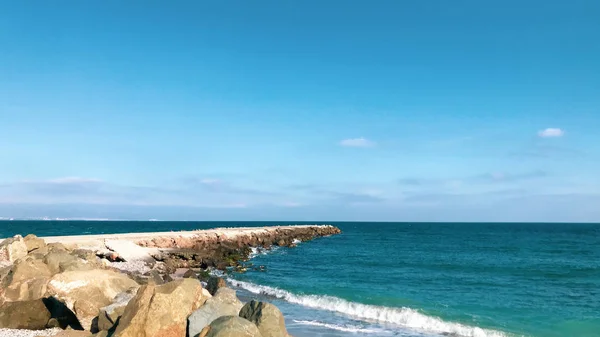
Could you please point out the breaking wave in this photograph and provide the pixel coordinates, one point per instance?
(404, 317)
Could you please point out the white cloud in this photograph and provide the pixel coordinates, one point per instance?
(74, 180)
(211, 182)
(357, 142)
(551, 132)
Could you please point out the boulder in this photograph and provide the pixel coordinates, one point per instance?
(31, 315)
(61, 261)
(161, 311)
(230, 326)
(224, 303)
(12, 249)
(33, 243)
(85, 254)
(108, 316)
(214, 283)
(27, 280)
(86, 313)
(267, 318)
(62, 317)
(96, 287)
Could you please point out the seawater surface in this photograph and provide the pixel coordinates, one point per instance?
(415, 279)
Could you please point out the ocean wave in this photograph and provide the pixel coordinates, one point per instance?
(405, 317)
(255, 251)
(344, 328)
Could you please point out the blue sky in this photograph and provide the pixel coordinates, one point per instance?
(301, 110)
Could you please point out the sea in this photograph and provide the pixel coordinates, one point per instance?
(412, 279)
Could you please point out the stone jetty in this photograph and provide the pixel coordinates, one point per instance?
(139, 284)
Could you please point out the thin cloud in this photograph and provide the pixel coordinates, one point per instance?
(357, 142)
(551, 133)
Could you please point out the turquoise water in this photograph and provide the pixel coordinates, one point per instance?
(511, 279)
(402, 279)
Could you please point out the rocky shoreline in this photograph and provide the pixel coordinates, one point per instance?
(138, 285)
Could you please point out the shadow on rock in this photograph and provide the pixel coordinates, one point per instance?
(60, 312)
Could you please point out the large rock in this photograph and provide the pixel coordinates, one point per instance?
(94, 288)
(33, 243)
(62, 261)
(108, 316)
(230, 326)
(224, 303)
(267, 318)
(27, 280)
(12, 249)
(161, 311)
(31, 315)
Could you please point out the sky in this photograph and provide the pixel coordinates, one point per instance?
(306, 110)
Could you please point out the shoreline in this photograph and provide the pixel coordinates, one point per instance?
(83, 275)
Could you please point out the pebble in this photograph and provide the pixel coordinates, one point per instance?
(28, 333)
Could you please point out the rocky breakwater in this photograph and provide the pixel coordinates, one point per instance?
(227, 247)
(131, 285)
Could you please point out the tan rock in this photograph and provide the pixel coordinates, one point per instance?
(12, 249)
(86, 312)
(33, 242)
(61, 261)
(267, 317)
(231, 326)
(27, 280)
(108, 316)
(161, 311)
(31, 315)
(96, 287)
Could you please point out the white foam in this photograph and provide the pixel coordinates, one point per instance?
(344, 328)
(405, 317)
(256, 251)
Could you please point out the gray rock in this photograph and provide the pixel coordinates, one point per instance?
(267, 317)
(224, 303)
(108, 316)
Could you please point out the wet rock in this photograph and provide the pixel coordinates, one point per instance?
(161, 311)
(267, 317)
(214, 283)
(230, 326)
(31, 315)
(224, 303)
